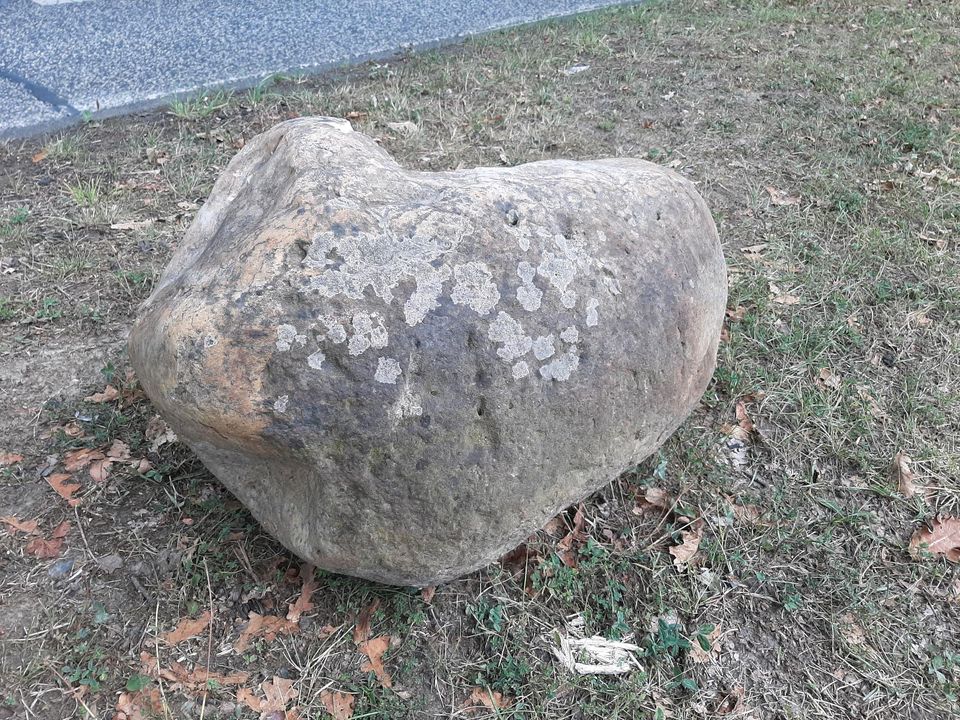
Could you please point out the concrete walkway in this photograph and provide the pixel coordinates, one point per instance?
(62, 58)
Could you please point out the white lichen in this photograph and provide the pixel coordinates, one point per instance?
(520, 370)
(425, 297)
(388, 370)
(280, 405)
(368, 332)
(570, 335)
(509, 333)
(315, 360)
(474, 287)
(561, 367)
(593, 317)
(286, 334)
(336, 332)
(543, 347)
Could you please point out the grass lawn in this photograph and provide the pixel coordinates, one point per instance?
(825, 137)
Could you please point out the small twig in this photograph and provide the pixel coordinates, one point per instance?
(83, 535)
(203, 705)
(156, 643)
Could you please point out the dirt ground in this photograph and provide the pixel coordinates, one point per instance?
(767, 562)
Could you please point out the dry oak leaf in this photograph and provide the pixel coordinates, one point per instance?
(361, 630)
(119, 450)
(8, 458)
(65, 486)
(654, 497)
(79, 459)
(109, 394)
(828, 379)
(486, 698)
(196, 681)
(781, 197)
(941, 538)
(39, 156)
(338, 704)
(144, 704)
(16, 525)
(374, 650)
(568, 546)
(302, 604)
(779, 296)
(265, 626)
(427, 593)
(50, 547)
(690, 542)
(902, 476)
(187, 628)
(278, 693)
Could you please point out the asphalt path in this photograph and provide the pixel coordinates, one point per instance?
(61, 59)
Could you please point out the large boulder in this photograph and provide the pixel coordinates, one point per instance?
(402, 374)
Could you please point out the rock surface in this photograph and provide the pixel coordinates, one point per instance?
(403, 374)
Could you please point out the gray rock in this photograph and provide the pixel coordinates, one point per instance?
(403, 374)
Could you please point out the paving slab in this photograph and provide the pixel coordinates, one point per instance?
(108, 56)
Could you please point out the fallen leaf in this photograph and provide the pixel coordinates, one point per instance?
(744, 422)
(39, 156)
(731, 702)
(486, 698)
(302, 604)
(361, 630)
(517, 560)
(79, 459)
(25, 526)
(554, 526)
(338, 704)
(902, 476)
(779, 296)
(569, 545)
(8, 458)
(828, 379)
(265, 626)
(851, 630)
(356, 115)
(48, 548)
(143, 704)
(782, 197)
(248, 698)
(132, 225)
(158, 433)
(100, 470)
(374, 650)
(197, 680)
(119, 451)
(278, 693)
(747, 513)
(701, 656)
(109, 394)
(941, 538)
(187, 628)
(66, 490)
(404, 128)
(864, 392)
(690, 542)
(427, 593)
(658, 498)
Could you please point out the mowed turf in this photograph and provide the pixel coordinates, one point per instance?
(825, 136)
